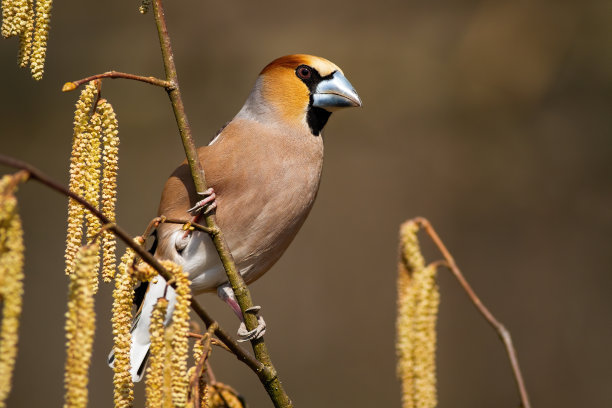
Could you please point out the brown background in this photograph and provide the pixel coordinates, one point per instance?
(490, 118)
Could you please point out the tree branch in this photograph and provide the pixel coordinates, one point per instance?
(270, 379)
(503, 333)
(71, 86)
(35, 174)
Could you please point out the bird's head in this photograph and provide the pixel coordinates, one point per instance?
(300, 90)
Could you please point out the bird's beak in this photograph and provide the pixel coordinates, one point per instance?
(335, 93)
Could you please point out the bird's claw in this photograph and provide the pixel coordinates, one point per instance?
(256, 333)
(207, 204)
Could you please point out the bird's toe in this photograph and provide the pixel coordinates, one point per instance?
(256, 333)
(205, 205)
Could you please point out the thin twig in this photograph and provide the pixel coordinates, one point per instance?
(219, 343)
(71, 86)
(199, 368)
(200, 364)
(151, 227)
(39, 176)
(268, 376)
(503, 333)
(188, 225)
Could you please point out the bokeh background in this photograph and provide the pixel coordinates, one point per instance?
(490, 118)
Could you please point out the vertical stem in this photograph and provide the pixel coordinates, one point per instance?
(268, 375)
(197, 171)
(503, 333)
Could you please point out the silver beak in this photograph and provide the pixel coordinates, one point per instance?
(335, 93)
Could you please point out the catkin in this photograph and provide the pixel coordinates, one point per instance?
(201, 352)
(78, 172)
(110, 162)
(11, 283)
(198, 353)
(80, 327)
(41, 35)
(122, 320)
(168, 373)
(18, 19)
(155, 371)
(21, 16)
(14, 17)
(26, 36)
(144, 7)
(180, 340)
(219, 395)
(9, 11)
(91, 187)
(418, 300)
(93, 175)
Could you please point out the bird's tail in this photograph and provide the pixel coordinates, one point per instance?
(139, 351)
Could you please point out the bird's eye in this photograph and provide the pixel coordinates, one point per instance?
(304, 72)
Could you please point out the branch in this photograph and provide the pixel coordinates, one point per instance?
(71, 86)
(35, 174)
(503, 333)
(269, 377)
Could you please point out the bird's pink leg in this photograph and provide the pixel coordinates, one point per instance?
(226, 294)
(207, 204)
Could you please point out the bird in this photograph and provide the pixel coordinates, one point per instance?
(263, 169)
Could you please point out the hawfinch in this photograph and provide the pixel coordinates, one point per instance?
(264, 168)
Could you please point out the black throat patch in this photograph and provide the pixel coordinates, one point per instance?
(315, 117)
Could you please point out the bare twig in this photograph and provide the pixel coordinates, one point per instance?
(71, 86)
(188, 225)
(232, 345)
(503, 333)
(200, 364)
(199, 368)
(268, 377)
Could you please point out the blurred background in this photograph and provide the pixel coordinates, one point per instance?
(490, 118)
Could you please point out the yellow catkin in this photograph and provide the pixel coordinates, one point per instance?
(418, 300)
(76, 213)
(91, 187)
(200, 347)
(145, 5)
(9, 11)
(21, 15)
(427, 297)
(155, 371)
(220, 395)
(41, 35)
(78, 172)
(93, 175)
(11, 284)
(405, 340)
(14, 17)
(180, 339)
(198, 353)
(110, 162)
(25, 38)
(168, 368)
(80, 327)
(122, 320)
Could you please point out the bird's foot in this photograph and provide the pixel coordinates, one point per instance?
(256, 333)
(205, 205)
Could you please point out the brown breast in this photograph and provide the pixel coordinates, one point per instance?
(266, 180)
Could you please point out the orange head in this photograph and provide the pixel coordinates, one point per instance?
(299, 90)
